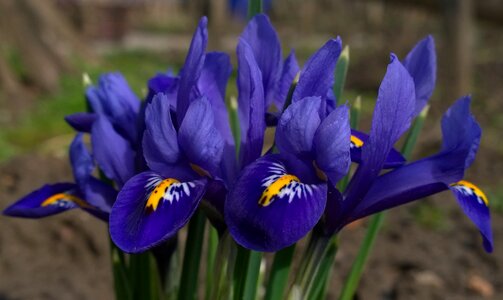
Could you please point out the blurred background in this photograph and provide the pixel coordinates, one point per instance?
(427, 250)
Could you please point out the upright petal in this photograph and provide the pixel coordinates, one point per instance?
(317, 76)
(163, 83)
(160, 141)
(189, 75)
(150, 209)
(270, 208)
(392, 117)
(212, 84)
(475, 205)
(46, 201)
(266, 48)
(288, 72)
(201, 142)
(332, 144)
(297, 126)
(421, 62)
(358, 139)
(112, 152)
(81, 160)
(82, 122)
(100, 195)
(251, 105)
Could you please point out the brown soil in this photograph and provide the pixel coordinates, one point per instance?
(66, 256)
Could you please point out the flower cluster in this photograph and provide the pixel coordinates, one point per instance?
(177, 151)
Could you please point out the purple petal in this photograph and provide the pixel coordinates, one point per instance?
(100, 195)
(151, 209)
(288, 73)
(251, 106)
(392, 117)
(166, 84)
(112, 152)
(266, 48)
(332, 144)
(212, 84)
(48, 200)
(269, 208)
(358, 139)
(201, 142)
(189, 75)
(421, 62)
(317, 76)
(81, 160)
(114, 98)
(297, 126)
(81, 122)
(475, 205)
(160, 141)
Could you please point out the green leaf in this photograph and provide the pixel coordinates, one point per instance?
(210, 263)
(341, 70)
(280, 269)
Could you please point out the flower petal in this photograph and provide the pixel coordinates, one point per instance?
(266, 48)
(81, 122)
(112, 152)
(358, 139)
(317, 76)
(269, 208)
(48, 200)
(392, 117)
(189, 75)
(81, 160)
(100, 195)
(476, 206)
(160, 141)
(297, 126)
(421, 62)
(288, 73)
(163, 83)
(151, 209)
(201, 142)
(251, 106)
(332, 144)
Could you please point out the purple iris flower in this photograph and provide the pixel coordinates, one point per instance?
(87, 193)
(187, 134)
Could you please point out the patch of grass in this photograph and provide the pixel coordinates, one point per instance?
(429, 216)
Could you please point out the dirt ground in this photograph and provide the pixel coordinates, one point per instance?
(66, 256)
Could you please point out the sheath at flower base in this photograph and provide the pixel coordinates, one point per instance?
(279, 198)
(87, 193)
(434, 174)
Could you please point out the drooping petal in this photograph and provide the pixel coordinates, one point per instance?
(212, 84)
(251, 105)
(392, 117)
(266, 48)
(114, 98)
(358, 139)
(100, 195)
(189, 75)
(160, 141)
(429, 175)
(201, 142)
(332, 144)
(112, 152)
(297, 126)
(475, 205)
(421, 62)
(288, 73)
(48, 200)
(270, 208)
(81, 160)
(317, 76)
(163, 83)
(81, 122)
(150, 209)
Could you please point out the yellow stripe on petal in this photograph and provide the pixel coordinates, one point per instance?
(477, 191)
(158, 193)
(275, 188)
(356, 141)
(54, 199)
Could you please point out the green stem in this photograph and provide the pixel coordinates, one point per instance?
(376, 221)
(252, 276)
(254, 8)
(119, 271)
(221, 288)
(246, 273)
(192, 257)
(319, 288)
(280, 269)
(210, 264)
